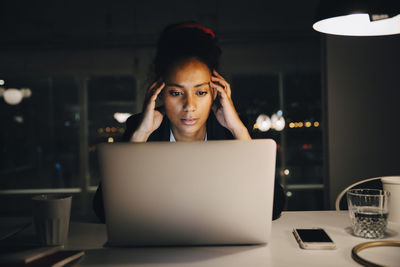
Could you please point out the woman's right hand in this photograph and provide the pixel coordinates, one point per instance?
(152, 118)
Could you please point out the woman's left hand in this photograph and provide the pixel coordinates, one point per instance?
(225, 111)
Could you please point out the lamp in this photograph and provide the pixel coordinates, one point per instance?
(121, 117)
(358, 18)
(276, 122)
(263, 122)
(14, 96)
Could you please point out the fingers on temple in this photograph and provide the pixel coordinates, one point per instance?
(217, 74)
(219, 88)
(223, 84)
(151, 87)
(157, 90)
(154, 90)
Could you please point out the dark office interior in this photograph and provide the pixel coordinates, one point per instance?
(85, 61)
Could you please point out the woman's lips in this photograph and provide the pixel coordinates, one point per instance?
(189, 121)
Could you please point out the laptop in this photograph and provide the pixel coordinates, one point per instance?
(188, 193)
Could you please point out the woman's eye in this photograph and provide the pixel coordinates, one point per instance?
(174, 93)
(202, 93)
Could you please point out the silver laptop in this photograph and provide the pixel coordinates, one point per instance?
(188, 193)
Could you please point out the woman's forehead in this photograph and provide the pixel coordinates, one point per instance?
(191, 73)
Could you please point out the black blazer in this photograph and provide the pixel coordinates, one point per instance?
(214, 132)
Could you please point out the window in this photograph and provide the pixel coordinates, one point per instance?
(40, 136)
(107, 95)
(299, 155)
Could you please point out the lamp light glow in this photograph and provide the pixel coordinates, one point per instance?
(263, 122)
(13, 96)
(278, 122)
(121, 117)
(359, 25)
(19, 119)
(358, 18)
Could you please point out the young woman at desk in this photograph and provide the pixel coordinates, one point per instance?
(196, 99)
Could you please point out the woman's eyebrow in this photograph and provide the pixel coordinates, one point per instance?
(181, 86)
(174, 84)
(201, 84)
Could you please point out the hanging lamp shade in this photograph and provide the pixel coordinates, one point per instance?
(358, 18)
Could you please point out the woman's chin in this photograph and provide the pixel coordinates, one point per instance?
(190, 132)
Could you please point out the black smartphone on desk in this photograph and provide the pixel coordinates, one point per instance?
(313, 238)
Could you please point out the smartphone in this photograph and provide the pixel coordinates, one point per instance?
(313, 238)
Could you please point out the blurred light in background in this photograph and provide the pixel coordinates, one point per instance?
(19, 119)
(263, 123)
(278, 122)
(14, 96)
(121, 117)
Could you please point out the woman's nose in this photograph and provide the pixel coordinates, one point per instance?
(190, 103)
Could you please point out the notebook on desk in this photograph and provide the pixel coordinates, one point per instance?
(188, 193)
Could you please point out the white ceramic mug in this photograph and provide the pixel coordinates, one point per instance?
(392, 184)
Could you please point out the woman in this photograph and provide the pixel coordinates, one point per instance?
(196, 99)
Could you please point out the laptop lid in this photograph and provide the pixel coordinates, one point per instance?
(188, 193)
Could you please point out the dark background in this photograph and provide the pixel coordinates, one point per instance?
(86, 60)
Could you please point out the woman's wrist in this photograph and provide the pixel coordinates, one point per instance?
(139, 136)
(241, 133)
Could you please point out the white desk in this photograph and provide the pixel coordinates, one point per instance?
(281, 251)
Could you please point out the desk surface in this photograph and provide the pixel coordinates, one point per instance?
(282, 250)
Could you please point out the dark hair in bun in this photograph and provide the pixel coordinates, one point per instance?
(186, 40)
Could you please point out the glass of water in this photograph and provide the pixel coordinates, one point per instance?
(368, 210)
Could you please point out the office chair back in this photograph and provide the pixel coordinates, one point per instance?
(371, 183)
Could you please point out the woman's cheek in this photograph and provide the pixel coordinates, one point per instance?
(207, 101)
(173, 105)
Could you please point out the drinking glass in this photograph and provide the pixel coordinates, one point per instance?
(368, 210)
